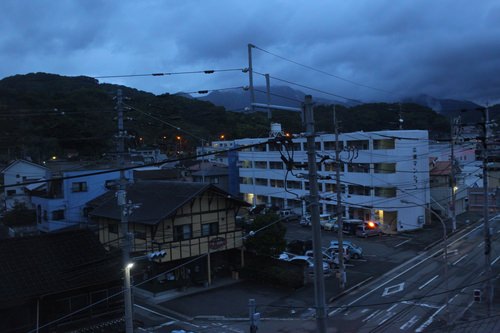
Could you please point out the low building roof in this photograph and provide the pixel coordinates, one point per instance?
(155, 200)
(42, 265)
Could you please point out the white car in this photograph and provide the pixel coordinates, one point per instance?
(330, 258)
(310, 263)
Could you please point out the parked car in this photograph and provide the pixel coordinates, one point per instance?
(355, 251)
(289, 215)
(368, 228)
(324, 219)
(349, 226)
(330, 258)
(334, 250)
(299, 247)
(310, 264)
(305, 221)
(331, 225)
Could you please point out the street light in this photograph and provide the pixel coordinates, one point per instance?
(129, 325)
(445, 250)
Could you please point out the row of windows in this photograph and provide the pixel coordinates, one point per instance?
(351, 167)
(388, 192)
(181, 232)
(330, 145)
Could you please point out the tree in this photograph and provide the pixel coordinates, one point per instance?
(269, 236)
(20, 216)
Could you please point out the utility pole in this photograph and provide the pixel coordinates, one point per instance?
(453, 180)
(250, 76)
(338, 187)
(124, 209)
(487, 234)
(319, 282)
(268, 93)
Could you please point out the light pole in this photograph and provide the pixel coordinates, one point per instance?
(445, 250)
(129, 324)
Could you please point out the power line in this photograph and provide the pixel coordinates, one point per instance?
(311, 88)
(324, 72)
(208, 71)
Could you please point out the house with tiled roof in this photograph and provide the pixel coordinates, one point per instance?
(187, 220)
(47, 279)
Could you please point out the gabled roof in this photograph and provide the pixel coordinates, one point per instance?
(156, 200)
(12, 164)
(48, 264)
(442, 168)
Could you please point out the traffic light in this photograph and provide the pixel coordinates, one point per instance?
(157, 254)
(477, 295)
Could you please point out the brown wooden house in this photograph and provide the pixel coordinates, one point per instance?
(187, 220)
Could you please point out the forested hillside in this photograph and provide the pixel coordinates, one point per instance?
(44, 115)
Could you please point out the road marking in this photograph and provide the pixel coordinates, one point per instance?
(421, 304)
(406, 270)
(451, 300)
(156, 313)
(393, 289)
(480, 244)
(462, 257)
(386, 318)
(406, 241)
(370, 316)
(494, 261)
(392, 307)
(425, 284)
(430, 320)
(409, 323)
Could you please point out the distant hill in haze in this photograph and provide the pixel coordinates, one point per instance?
(238, 100)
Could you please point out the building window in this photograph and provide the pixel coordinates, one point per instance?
(182, 232)
(214, 180)
(209, 229)
(292, 184)
(79, 187)
(277, 183)
(359, 190)
(384, 144)
(11, 192)
(261, 181)
(260, 165)
(246, 164)
(58, 215)
(358, 167)
(276, 165)
(246, 180)
(111, 184)
(386, 192)
(358, 144)
(384, 167)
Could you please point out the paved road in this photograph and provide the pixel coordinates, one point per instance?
(288, 311)
(413, 297)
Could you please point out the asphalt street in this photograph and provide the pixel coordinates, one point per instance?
(385, 265)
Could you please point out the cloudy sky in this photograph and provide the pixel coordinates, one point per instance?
(381, 49)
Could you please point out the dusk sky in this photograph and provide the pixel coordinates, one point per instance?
(389, 49)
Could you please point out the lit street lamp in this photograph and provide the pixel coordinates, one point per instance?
(445, 250)
(129, 324)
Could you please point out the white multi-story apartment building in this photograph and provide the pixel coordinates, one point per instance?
(384, 176)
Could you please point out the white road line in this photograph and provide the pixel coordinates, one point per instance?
(425, 284)
(407, 270)
(480, 244)
(386, 318)
(409, 323)
(156, 313)
(406, 241)
(371, 316)
(462, 257)
(494, 261)
(421, 304)
(392, 307)
(429, 321)
(451, 300)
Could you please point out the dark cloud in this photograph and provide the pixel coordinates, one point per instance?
(448, 48)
